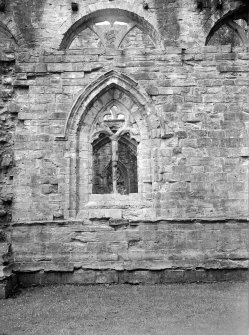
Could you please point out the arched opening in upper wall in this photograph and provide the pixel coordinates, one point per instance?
(7, 39)
(111, 28)
(232, 28)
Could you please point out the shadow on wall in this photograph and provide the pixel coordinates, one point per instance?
(167, 19)
(26, 16)
(7, 121)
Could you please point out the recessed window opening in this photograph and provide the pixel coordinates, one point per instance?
(114, 157)
(102, 165)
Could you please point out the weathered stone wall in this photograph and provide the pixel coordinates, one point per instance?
(7, 124)
(8, 120)
(112, 251)
(188, 109)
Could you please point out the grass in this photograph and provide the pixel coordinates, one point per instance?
(196, 309)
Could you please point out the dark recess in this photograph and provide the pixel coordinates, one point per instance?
(74, 6)
(2, 5)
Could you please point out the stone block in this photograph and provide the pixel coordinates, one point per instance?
(6, 56)
(231, 68)
(59, 67)
(105, 213)
(139, 277)
(28, 279)
(48, 188)
(4, 249)
(41, 68)
(8, 286)
(3, 212)
(83, 277)
(5, 270)
(152, 90)
(172, 276)
(58, 266)
(24, 84)
(107, 277)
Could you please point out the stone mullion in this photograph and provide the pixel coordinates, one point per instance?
(114, 164)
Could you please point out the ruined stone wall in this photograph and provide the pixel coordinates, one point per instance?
(187, 106)
(8, 121)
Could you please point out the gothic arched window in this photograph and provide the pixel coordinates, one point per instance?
(114, 154)
(109, 150)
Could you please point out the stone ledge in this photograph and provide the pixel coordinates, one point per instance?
(93, 277)
(133, 222)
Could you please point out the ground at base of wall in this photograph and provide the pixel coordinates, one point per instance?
(173, 309)
(91, 277)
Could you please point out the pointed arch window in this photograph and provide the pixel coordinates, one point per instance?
(111, 113)
(114, 154)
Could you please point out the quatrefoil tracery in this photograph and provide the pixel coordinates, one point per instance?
(115, 123)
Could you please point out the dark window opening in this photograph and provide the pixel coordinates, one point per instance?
(127, 158)
(102, 167)
(115, 165)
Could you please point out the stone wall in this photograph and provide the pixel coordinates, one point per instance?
(8, 121)
(198, 129)
(184, 97)
(116, 251)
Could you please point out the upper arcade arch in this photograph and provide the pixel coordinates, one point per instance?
(6, 34)
(98, 22)
(229, 20)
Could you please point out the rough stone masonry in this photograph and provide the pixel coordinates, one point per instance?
(124, 141)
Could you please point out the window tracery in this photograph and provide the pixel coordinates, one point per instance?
(109, 28)
(112, 34)
(7, 40)
(115, 153)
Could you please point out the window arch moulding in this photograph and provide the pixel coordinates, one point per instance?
(93, 133)
(111, 26)
(7, 39)
(87, 96)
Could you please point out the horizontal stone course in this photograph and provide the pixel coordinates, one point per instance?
(108, 277)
